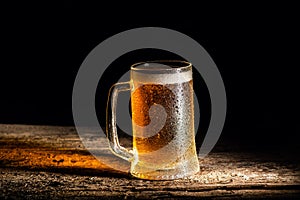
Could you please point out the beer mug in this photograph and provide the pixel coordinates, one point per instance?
(162, 111)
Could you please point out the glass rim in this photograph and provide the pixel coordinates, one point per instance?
(175, 65)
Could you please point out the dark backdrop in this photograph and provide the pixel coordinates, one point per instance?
(253, 45)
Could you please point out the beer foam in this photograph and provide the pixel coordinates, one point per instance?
(159, 74)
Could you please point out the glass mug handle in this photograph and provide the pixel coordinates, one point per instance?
(111, 127)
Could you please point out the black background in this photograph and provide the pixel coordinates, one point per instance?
(253, 45)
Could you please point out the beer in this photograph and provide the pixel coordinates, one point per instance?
(172, 145)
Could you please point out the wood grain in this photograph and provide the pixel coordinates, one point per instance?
(51, 162)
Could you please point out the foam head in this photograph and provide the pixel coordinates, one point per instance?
(157, 73)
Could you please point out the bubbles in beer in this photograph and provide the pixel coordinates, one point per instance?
(176, 100)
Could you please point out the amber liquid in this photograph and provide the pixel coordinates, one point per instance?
(170, 152)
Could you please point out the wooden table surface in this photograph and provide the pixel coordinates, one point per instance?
(51, 162)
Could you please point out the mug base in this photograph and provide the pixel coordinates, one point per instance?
(183, 171)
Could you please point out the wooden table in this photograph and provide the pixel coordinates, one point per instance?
(51, 162)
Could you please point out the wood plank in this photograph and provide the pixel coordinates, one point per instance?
(51, 162)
